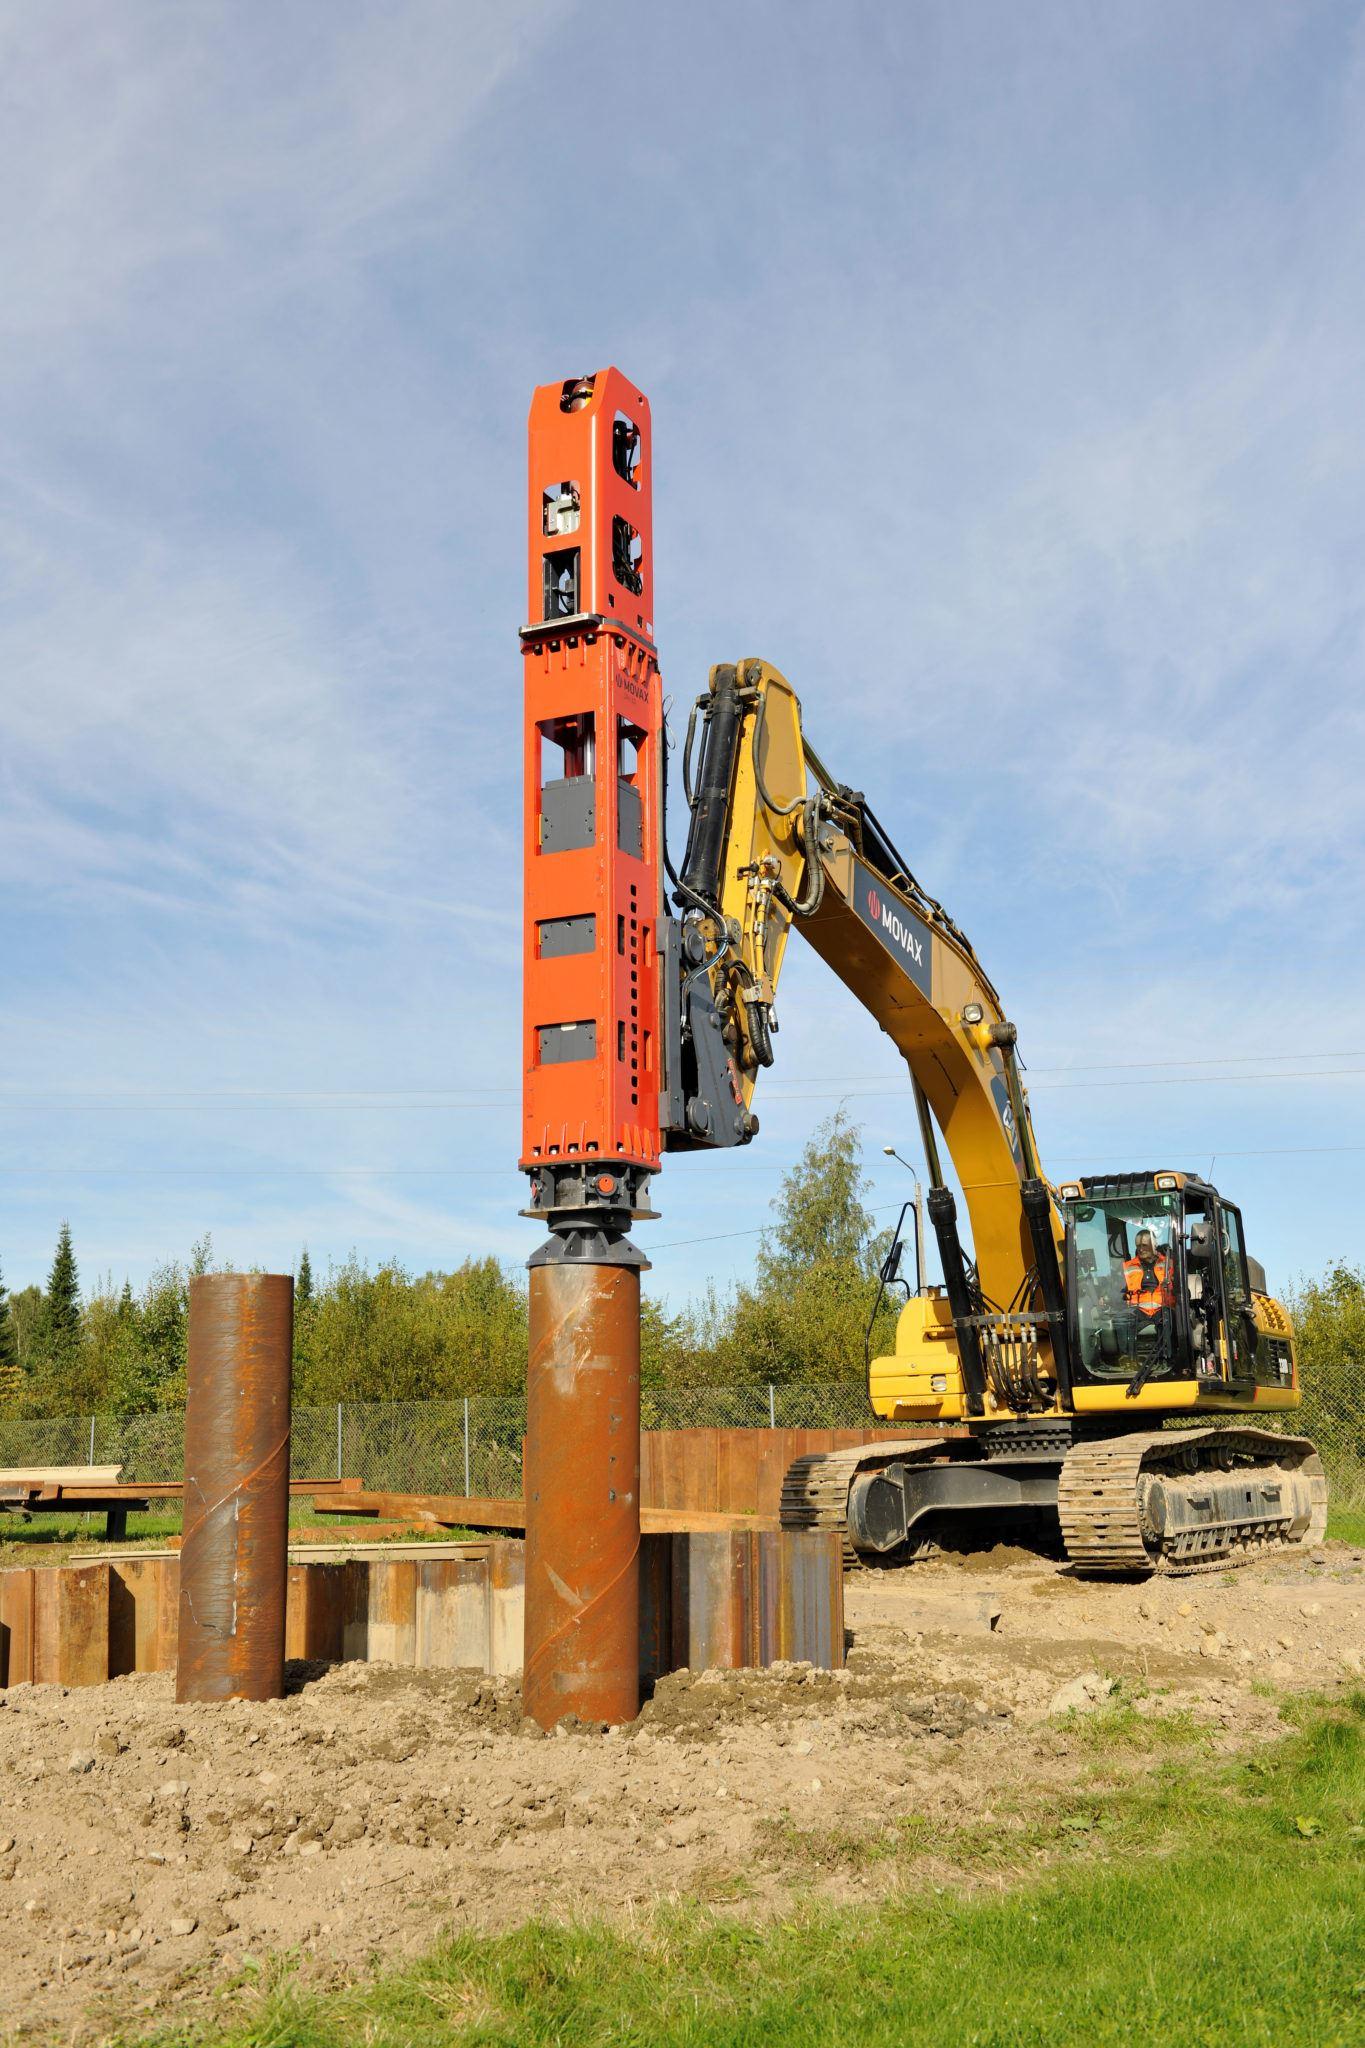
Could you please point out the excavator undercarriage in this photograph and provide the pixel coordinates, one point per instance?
(1135, 1501)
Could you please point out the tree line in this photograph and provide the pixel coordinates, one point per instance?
(390, 1335)
(385, 1334)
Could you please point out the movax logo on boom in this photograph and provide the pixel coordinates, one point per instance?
(904, 937)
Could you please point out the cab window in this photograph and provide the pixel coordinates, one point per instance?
(1234, 1256)
(1123, 1272)
(1202, 1283)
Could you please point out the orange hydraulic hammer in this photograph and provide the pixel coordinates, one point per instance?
(592, 1053)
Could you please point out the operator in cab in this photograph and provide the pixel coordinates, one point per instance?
(1148, 1277)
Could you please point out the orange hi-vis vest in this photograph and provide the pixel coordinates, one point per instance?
(1149, 1289)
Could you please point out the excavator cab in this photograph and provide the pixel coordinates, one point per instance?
(1159, 1288)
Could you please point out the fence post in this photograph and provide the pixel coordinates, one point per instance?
(338, 1439)
(92, 1440)
(772, 1407)
(466, 1447)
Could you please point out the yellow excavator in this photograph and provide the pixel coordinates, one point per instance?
(1086, 1316)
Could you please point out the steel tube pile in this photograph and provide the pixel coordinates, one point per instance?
(234, 1556)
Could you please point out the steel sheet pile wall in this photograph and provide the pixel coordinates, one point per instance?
(738, 1471)
(54, 1625)
(745, 1598)
(726, 1600)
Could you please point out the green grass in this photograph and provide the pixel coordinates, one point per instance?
(1107, 1808)
(1216, 1905)
(44, 1539)
(72, 1537)
(28, 1542)
(1347, 1525)
(1121, 1729)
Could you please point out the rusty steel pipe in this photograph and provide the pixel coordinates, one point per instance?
(234, 1555)
(583, 1493)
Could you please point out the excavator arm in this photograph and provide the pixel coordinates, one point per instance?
(774, 841)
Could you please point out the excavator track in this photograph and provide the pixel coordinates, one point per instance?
(1143, 1501)
(815, 1489)
(1186, 1501)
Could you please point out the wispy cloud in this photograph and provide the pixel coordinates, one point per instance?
(197, 711)
(1005, 372)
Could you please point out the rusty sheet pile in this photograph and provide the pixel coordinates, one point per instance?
(707, 1599)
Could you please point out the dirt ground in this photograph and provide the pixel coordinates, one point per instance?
(150, 1853)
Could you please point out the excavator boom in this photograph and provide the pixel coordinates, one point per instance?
(776, 841)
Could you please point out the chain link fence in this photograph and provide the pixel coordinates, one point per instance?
(463, 1446)
(474, 1446)
(1332, 1413)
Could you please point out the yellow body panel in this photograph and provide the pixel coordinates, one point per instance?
(922, 1380)
(1171, 1394)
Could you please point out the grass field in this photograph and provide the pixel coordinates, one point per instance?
(1207, 1903)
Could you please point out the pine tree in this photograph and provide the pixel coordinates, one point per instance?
(62, 1308)
(305, 1313)
(11, 1372)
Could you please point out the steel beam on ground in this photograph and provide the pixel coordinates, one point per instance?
(453, 1511)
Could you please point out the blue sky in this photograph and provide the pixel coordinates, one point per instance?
(1006, 372)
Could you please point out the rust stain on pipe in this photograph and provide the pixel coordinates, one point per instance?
(583, 1494)
(234, 1556)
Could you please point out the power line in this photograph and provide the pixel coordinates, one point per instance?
(1285, 1151)
(774, 1092)
(759, 1230)
(1207, 1080)
(855, 1094)
(473, 1098)
(703, 1170)
(1238, 1059)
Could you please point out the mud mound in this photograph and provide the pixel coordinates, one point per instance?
(702, 1706)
